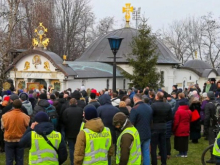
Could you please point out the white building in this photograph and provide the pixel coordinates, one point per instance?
(94, 68)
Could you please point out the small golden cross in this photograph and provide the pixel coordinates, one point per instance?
(127, 11)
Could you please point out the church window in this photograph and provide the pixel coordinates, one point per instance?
(162, 78)
(124, 82)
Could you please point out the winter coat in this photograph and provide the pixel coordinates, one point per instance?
(182, 118)
(202, 112)
(209, 114)
(72, 119)
(177, 104)
(195, 126)
(10, 107)
(106, 112)
(45, 127)
(81, 103)
(42, 104)
(95, 103)
(33, 101)
(126, 141)
(172, 103)
(14, 123)
(124, 110)
(95, 125)
(27, 104)
(115, 102)
(162, 113)
(141, 117)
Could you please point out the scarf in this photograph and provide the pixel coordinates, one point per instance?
(207, 88)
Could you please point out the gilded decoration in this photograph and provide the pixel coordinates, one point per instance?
(47, 66)
(36, 60)
(127, 11)
(27, 65)
(6, 86)
(40, 40)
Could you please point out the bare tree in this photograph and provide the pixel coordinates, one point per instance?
(211, 39)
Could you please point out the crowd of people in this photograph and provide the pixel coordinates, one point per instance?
(95, 126)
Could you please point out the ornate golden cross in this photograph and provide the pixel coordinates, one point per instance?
(127, 11)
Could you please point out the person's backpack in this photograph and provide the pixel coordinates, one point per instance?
(216, 117)
(52, 113)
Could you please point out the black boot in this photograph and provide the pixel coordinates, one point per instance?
(212, 160)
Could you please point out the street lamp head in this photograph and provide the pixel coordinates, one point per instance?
(115, 43)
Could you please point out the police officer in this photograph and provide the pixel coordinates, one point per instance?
(128, 143)
(216, 149)
(46, 145)
(94, 143)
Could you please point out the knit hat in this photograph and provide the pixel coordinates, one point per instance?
(43, 96)
(23, 96)
(6, 98)
(90, 112)
(41, 117)
(17, 104)
(119, 118)
(211, 95)
(122, 104)
(14, 97)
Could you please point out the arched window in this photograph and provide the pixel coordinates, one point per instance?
(124, 84)
(184, 84)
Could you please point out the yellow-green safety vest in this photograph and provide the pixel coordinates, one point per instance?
(97, 147)
(82, 126)
(41, 153)
(216, 150)
(135, 152)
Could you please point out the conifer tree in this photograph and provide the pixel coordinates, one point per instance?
(143, 59)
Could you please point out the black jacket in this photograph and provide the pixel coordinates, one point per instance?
(124, 110)
(46, 127)
(9, 107)
(162, 113)
(209, 114)
(72, 119)
(95, 103)
(81, 103)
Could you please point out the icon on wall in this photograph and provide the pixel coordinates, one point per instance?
(36, 60)
(27, 65)
(47, 66)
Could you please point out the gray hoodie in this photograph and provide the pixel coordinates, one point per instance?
(27, 104)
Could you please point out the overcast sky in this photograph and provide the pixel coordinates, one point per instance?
(159, 12)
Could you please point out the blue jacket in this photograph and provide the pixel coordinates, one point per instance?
(141, 117)
(40, 128)
(106, 112)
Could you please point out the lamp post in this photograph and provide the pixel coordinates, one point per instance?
(115, 43)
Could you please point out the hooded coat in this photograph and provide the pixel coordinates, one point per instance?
(42, 104)
(26, 103)
(46, 127)
(95, 125)
(106, 112)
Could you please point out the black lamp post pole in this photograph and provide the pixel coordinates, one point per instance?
(114, 71)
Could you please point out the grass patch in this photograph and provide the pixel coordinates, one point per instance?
(194, 155)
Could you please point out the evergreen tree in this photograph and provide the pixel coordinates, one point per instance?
(144, 59)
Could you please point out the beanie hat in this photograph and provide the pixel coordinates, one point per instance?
(122, 104)
(175, 86)
(43, 96)
(6, 98)
(90, 112)
(76, 95)
(41, 117)
(23, 96)
(14, 97)
(17, 104)
(119, 118)
(211, 95)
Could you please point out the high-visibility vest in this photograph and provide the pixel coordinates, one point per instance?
(216, 150)
(41, 153)
(82, 126)
(97, 147)
(135, 151)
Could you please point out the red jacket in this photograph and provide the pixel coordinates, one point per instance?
(182, 118)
